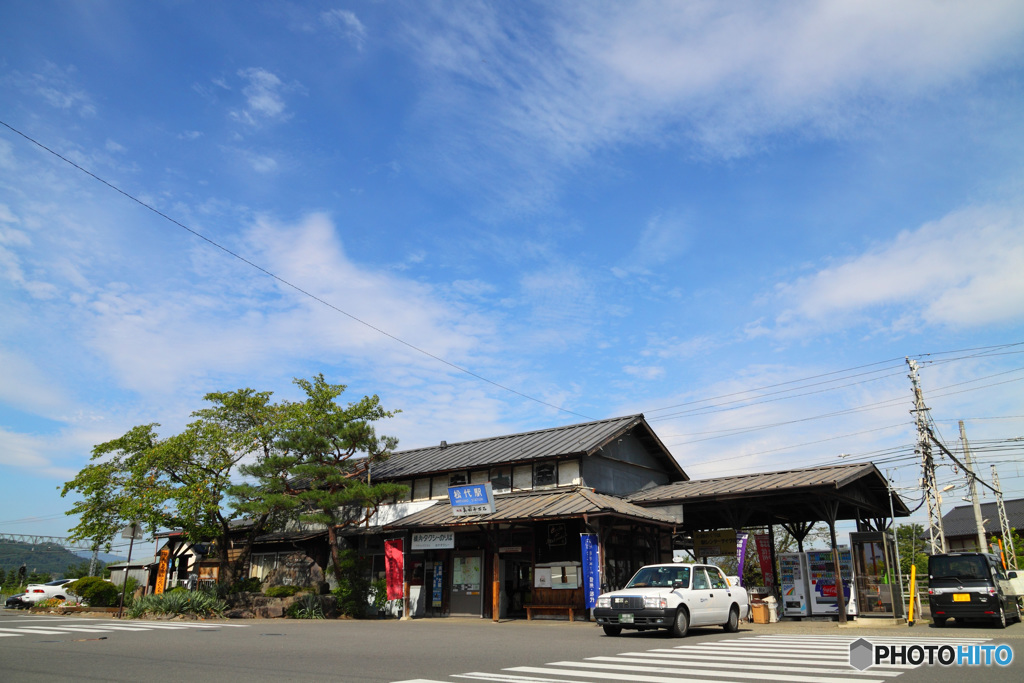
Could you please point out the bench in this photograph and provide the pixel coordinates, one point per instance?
(571, 609)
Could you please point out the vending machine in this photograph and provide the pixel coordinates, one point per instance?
(822, 577)
(793, 584)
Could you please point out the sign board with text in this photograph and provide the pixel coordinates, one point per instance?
(433, 540)
(471, 499)
(714, 543)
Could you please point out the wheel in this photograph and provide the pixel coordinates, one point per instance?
(939, 621)
(610, 630)
(1000, 621)
(733, 624)
(60, 597)
(681, 624)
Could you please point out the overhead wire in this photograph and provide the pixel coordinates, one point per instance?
(287, 283)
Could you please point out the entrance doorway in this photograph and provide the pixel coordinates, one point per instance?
(518, 587)
(467, 596)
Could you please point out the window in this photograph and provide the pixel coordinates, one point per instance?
(439, 487)
(700, 580)
(501, 479)
(717, 580)
(458, 479)
(544, 474)
(421, 489)
(568, 473)
(522, 478)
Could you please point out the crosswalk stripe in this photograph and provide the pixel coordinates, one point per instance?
(646, 657)
(35, 631)
(643, 678)
(689, 671)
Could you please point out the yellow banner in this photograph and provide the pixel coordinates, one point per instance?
(161, 572)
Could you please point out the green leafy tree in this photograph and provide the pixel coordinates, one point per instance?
(912, 547)
(179, 482)
(316, 472)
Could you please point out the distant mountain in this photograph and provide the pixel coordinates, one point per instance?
(44, 558)
(105, 558)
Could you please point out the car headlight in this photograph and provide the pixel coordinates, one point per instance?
(603, 601)
(655, 603)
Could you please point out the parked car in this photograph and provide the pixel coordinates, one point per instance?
(970, 586)
(34, 592)
(674, 597)
(16, 601)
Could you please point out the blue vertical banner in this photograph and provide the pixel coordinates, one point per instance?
(591, 569)
(741, 552)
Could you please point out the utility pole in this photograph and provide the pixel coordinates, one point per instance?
(972, 481)
(1004, 523)
(937, 539)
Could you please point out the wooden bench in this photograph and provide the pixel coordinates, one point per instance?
(571, 609)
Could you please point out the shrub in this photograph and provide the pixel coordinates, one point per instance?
(281, 591)
(353, 591)
(199, 603)
(95, 591)
(308, 606)
(250, 585)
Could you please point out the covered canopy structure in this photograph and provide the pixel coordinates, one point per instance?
(795, 499)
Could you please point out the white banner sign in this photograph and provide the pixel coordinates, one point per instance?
(433, 540)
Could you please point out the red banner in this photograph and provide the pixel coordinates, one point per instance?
(393, 568)
(764, 555)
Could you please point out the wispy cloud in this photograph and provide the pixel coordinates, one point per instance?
(264, 100)
(962, 271)
(346, 24)
(545, 92)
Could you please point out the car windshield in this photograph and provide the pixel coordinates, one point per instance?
(58, 582)
(970, 567)
(660, 577)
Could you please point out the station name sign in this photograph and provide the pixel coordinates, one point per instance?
(471, 499)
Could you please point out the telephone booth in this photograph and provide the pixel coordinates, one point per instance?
(879, 593)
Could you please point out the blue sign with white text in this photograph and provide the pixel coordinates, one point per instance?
(471, 499)
(591, 578)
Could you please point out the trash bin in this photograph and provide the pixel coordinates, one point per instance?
(760, 612)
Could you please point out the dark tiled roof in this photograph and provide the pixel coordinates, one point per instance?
(832, 476)
(579, 439)
(534, 505)
(960, 520)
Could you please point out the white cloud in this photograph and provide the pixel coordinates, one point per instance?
(665, 237)
(345, 23)
(550, 90)
(264, 102)
(964, 270)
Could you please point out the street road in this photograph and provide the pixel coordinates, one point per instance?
(53, 648)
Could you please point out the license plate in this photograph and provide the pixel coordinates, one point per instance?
(625, 618)
(961, 597)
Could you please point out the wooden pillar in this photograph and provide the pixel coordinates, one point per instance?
(832, 511)
(496, 588)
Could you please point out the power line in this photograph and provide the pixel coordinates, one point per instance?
(291, 285)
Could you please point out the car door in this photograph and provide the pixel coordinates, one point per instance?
(700, 598)
(721, 596)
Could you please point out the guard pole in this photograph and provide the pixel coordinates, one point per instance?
(913, 593)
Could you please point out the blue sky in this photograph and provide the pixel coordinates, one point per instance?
(736, 218)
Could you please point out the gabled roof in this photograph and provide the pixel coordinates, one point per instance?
(960, 520)
(580, 439)
(535, 505)
(778, 497)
